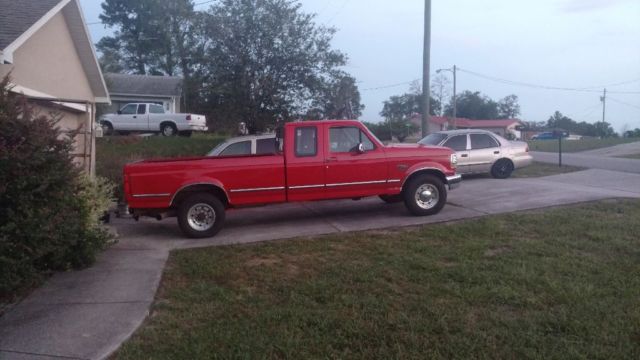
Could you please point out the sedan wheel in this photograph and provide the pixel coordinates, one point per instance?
(502, 169)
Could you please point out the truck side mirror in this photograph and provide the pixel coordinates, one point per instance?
(360, 148)
(119, 112)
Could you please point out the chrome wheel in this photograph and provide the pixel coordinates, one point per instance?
(201, 217)
(168, 130)
(427, 196)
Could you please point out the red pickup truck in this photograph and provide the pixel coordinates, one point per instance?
(317, 160)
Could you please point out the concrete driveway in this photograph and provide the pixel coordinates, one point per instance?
(88, 314)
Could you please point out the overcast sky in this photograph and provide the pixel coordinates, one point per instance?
(556, 43)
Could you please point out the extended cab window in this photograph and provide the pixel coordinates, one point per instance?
(129, 109)
(142, 109)
(156, 109)
(239, 148)
(346, 139)
(266, 146)
(482, 141)
(306, 141)
(457, 143)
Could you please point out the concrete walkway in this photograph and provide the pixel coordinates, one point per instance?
(88, 314)
(618, 150)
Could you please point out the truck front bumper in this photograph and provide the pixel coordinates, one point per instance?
(454, 181)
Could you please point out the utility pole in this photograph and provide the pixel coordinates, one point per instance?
(426, 76)
(455, 84)
(604, 110)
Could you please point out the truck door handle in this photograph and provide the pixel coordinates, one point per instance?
(464, 155)
(135, 117)
(496, 152)
(332, 159)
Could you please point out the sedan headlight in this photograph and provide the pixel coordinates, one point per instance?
(454, 160)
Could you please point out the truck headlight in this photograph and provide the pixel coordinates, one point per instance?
(454, 160)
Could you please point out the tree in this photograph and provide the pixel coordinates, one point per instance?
(266, 59)
(473, 105)
(508, 108)
(399, 110)
(338, 98)
(440, 90)
(635, 133)
(560, 121)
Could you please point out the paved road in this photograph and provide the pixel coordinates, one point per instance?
(618, 150)
(590, 161)
(88, 314)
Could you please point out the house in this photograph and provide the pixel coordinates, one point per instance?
(46, 48)
(161, 90)
(503, 127)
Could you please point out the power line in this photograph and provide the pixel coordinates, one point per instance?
(624, 103)
(344, 3)
(611, 85)
(538, 86)
(390, 86)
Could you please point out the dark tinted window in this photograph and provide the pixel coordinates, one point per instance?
(457, 143)
(482, 141)
(306, 141)
(433, 139)
(266, 146)
(142, 109)
(346, 139)
(239, 148)
(129, 109)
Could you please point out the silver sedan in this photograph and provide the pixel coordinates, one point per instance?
(482, 151)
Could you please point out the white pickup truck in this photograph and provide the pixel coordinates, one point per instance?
(148, 117)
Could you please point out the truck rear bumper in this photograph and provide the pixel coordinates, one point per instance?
(198, 128)
(454, 181)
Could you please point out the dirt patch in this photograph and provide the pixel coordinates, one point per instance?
(268, 261)
(497, 251)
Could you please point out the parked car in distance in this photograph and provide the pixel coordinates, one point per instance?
(149, 117)
(482, 151)
(246, 145)
(315, 160)
(550, 135)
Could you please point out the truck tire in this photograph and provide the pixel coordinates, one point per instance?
(107, 128)
(502, 169)
(168, 130)
(391, 199)
(425, 195)
(201, 215)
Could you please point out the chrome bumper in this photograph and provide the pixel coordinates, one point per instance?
(454, 181)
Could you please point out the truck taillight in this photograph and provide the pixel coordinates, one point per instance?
(189, 117)
(526, 149)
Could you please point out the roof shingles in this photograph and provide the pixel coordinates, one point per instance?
(124, 84)
(16, 17)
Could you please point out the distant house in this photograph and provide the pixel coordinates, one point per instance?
(47, 50)
(502, 127)
(161, 90)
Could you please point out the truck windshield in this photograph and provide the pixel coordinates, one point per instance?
(433, 139)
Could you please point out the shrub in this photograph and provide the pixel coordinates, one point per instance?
(48, 209)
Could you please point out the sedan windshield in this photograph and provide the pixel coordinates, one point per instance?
(433, 139)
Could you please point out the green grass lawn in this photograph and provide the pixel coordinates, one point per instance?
(561, 283)
(577, 145)
(113, 152)
(538, 169)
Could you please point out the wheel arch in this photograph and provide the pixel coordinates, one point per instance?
(213, 188)
(424, 171)
(168, 122)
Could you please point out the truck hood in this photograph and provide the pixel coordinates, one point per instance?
(419, 149)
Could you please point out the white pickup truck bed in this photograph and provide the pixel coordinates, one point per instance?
(148, 117)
